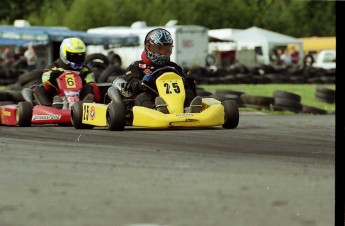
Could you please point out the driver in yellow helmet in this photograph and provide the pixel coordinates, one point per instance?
(72, 58)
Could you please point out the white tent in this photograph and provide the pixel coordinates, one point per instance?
(255, 37)
(223, 34)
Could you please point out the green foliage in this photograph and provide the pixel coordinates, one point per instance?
(290, 17)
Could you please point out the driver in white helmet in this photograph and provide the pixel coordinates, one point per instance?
(158, 48)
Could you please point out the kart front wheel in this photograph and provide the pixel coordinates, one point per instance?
(77, 116)
(24, 114)
(116, 116)
(231, 114)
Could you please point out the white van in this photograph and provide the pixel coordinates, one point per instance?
(190, 44)
(326, 59)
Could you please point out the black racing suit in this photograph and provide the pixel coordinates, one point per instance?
(138, 69)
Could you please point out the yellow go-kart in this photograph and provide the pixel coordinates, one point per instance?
(121, 112)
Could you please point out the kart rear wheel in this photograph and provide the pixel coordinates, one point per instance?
(77, 116)
(24, 114)
(231, 114)
(116, 116)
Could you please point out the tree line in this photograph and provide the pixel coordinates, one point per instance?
(290, 17)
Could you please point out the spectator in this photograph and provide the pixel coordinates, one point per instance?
(7, 56)
(277, 53)
(285, 57)
(30, 57)
(18, 55)
(1, 60)
(294, 55)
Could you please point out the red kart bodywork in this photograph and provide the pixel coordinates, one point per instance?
(69, 81)
(40, 115)
(8, 114)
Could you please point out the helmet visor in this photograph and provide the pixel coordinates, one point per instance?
(77, 58)
(162, 49)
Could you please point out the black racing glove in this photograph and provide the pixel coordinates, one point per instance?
(128, 87)
(54, 75)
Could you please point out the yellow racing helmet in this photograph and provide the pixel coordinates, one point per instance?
(73, 52)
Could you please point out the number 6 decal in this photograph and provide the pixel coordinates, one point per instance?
(70, 82)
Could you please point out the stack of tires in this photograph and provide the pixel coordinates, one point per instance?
(222, 95)
(325, 94)
(256, 102)
(287, 101)
(103, 70)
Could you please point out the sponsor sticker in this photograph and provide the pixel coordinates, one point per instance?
(92, 113)
(142, 65)
(46, 117)
(184, 114)
(147, 71)
(6, 113)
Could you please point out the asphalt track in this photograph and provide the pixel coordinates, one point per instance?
(271, 170)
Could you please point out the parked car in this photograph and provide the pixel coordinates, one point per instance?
(326, 59)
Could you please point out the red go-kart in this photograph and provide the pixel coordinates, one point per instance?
(28, 112)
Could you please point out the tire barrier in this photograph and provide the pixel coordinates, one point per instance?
(106, 71)
(265, 74)
(257, 102)
(325, 94)
(287, 101)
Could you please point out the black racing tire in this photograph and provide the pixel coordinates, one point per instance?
(325, 90)
(116, 114)
(32, 82)
(203, 93)
(30, 76)
(287, 108)
(286, 95)
(210, 60)
(231, 114)
(324, 97)
(110, 71)
(228, 91)
(24, 114)
(308, 60)
(255, 106)
(2, 103)
(257, 100)
(222, 97)
(5, 96)
(287, 102)
(115, 60)
(97, 57)
(77, 116)
(313, 110)
(16, 95)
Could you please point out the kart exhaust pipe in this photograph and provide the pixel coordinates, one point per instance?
(114, 94)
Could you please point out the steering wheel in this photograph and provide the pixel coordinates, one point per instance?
(162, 70)
(156, 74)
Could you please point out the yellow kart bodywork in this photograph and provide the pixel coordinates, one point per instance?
(171, 88)
(211, 115)
(94, 114)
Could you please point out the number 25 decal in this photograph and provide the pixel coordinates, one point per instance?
(174, 86)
